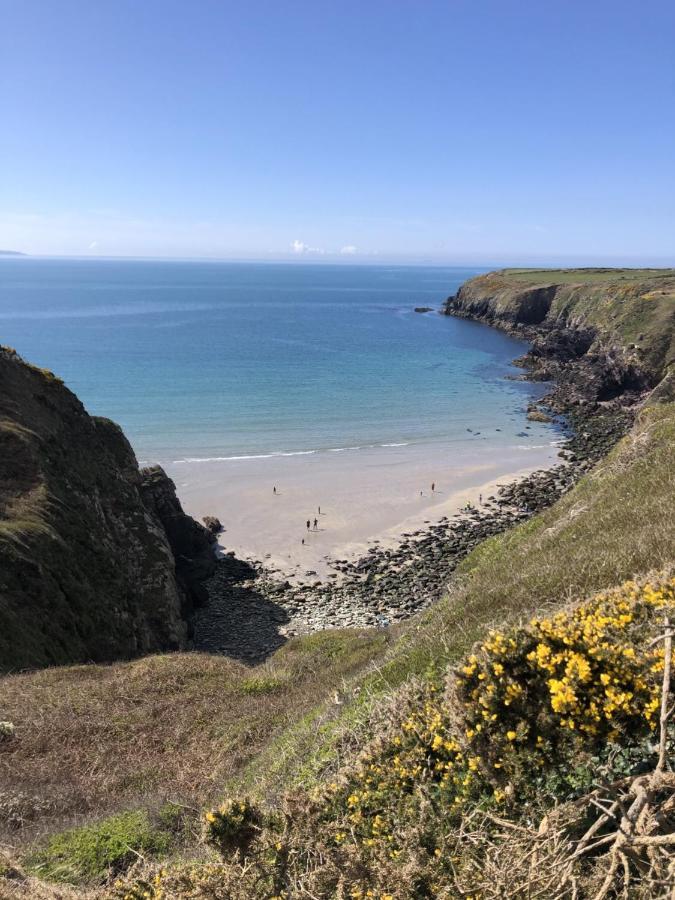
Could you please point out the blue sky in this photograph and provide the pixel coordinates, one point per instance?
(465, 131)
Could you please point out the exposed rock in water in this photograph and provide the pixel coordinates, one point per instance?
(424, 309)
(98, 561)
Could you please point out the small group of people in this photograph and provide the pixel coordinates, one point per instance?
(314, 525)
(311, 525)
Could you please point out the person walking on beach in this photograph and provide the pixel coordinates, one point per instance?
(319, 508)
(316, 524)
(433, 486)
(480, 498)
(274, 489)
(308, 524)
(303, 542)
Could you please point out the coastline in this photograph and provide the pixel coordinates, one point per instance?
(254, 607)
(368, 496)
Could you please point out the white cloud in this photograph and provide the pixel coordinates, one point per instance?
(301, 247)
(348, 250)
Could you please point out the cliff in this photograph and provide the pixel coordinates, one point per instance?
(605, 334)
(97, 559)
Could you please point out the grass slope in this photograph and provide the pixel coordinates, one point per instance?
(95, 740)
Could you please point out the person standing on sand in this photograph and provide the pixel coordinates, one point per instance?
(316, 524)
(308, 524)
(274, 489)
(319, 508)
(433, 486)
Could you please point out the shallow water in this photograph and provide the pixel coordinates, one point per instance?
(204, 360)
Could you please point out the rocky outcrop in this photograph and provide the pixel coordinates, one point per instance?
(608, 336)
(97, 559)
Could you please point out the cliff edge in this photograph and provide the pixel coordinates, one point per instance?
(98, 561)
(605, 334)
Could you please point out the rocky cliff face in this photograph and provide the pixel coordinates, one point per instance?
(603, 336)
(97, 559)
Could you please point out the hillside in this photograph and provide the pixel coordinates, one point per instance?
(355, 763)
(88, 543)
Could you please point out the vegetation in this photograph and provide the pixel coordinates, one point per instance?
(501, 737)
(165, 728)
(584, 276)
(94, 852)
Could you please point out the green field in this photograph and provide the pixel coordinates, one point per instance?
(584, 276)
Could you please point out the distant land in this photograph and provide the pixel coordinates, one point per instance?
(12, 253)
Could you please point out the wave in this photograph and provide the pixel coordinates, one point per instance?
(280, 453)
(535, 446)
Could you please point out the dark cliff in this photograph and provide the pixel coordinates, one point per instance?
(97, 559)
(605, 334)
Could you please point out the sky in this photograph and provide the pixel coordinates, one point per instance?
(456, 132)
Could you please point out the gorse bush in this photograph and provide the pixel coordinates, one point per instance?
(233, 826)
(583, 677)
(527, 699)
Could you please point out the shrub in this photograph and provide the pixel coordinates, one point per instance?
(530, 703)
(94, 852)
(580, 679)
(233, 826)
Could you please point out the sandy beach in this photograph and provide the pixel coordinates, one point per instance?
(364, 495)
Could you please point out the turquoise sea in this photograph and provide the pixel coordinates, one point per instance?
(211, 360)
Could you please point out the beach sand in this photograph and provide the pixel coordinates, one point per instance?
(365, 495)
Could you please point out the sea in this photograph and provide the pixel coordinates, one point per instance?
(202, 361)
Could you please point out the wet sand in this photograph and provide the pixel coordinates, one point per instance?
(365, 496)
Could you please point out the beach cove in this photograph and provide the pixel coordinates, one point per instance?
(368, 495)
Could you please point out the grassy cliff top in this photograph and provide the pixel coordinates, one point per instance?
(583, 276)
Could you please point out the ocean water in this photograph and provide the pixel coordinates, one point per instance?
(209, 360)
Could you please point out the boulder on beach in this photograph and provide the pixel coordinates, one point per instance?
(536, 415)
(213, 524)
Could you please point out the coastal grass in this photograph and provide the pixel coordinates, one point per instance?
(96, 740)
(584, 276)
(96, 852)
